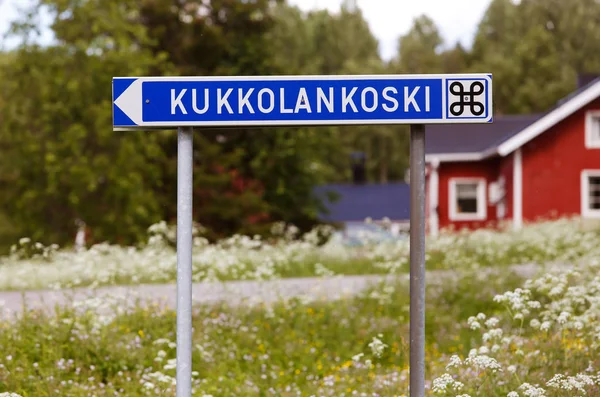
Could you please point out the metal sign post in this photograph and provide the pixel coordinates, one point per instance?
(146, 103)
(417, 260)
(184, 260)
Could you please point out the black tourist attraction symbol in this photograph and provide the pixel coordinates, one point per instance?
(466, 98)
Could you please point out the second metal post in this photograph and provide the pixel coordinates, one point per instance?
(184, 261)
(417, 260)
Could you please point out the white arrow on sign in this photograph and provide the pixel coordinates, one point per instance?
(130, 102)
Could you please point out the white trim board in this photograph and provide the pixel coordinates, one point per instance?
(517, 189)
(451, 157)
(481, 214)
(434, 193)
(550, 120)
(585, 194)
(590, 116)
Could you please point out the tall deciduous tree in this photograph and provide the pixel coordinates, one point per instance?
(574, 26)
(64, 160)
(227, 37)
(418, 50)
(535, 50)
(61, 158)
(70, 161)
(320, 42)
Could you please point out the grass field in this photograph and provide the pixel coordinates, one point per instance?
(487, 334)
(250, 258)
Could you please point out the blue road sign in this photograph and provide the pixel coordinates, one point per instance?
(168, 102)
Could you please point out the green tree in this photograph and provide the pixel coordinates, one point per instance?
(535, 50)
(220, 37)
(544, 76)
(320, 42)
(8, 234)
(418, 50)
(575, 27)
(66, 162)
(225, 201)
(236, 38)
(293, 40)
(455, 60)
(61, 160)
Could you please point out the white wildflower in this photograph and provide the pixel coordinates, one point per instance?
(455, 361)
(357, 356)
(473, 323)
(322, 271)
(492, 334)
(492, 322)
(445, 383)
(534, 304)
(532, 391)
(563, 317)
(482, 361)
(577, 382)
(377, 346)
(545, 326)
(578, 325)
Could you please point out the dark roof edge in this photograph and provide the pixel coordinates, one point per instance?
(568, 107)
(507, 145)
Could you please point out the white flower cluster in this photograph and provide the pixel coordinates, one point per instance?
(446, 383)
(251, 257)
(482, 362)
(157, 381)
(377, 346)
(570, 383)
(518, 302)
(532, 390)
(562, 310)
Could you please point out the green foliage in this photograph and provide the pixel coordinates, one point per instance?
(418, 50)
(230, 346)
(535, 50)
(321, 42)
(62, 161)
(225, 201)
(276, 169)
(220, 37)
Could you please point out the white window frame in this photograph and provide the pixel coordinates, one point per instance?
(481, 214)
(586, 212)
(592, 120)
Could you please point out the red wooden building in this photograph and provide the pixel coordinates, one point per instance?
(517, 169)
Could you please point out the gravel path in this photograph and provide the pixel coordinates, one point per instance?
(234, 292)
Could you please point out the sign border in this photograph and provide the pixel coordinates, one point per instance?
(447, 107)
(167, 125)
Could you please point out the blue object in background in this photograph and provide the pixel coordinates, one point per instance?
(168, 102)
